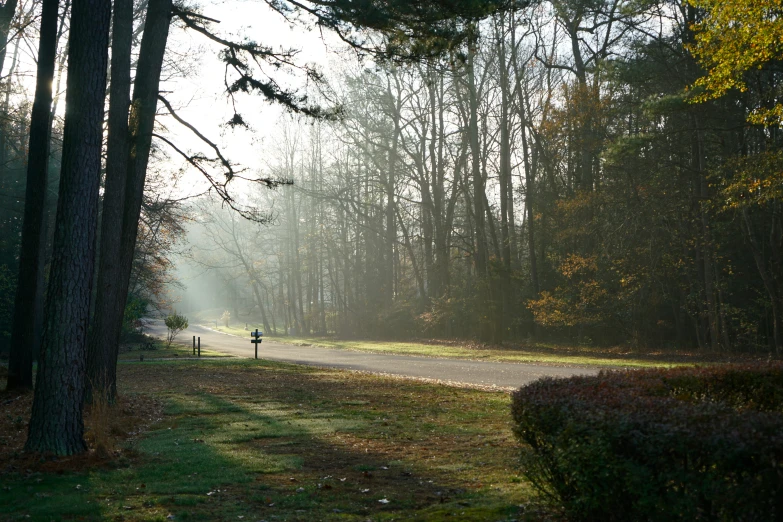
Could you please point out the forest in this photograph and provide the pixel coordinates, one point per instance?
(566, 176)
(593, 172)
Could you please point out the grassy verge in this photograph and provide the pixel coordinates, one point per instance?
(532, 353)
(157, 349)
(256, 440)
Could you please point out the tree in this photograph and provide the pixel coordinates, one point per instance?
(29, 290)
(131, 136)
(733, 39)
(175, 324)
(7, 12)
(56, 424)
(412, 31)
(110, 301)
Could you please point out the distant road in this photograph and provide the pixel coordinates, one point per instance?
(480, 373)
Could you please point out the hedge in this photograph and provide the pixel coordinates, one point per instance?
(703, 443)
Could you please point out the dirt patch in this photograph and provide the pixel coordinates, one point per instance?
(121, 424)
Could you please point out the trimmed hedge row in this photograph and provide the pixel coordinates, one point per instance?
(682, 444)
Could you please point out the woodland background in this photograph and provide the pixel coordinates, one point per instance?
(562, 177)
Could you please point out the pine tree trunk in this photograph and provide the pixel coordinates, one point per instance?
(107, 322)
(140, 125)
(56, 423)
(31, 256)
(6, 17)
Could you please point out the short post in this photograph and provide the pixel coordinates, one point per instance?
(194, 345)
(199, 346)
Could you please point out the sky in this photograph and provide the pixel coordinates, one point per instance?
(194, 82)
(200, 97)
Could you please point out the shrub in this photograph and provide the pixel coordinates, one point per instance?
(175, 323)
(684, 444)
(135, 310)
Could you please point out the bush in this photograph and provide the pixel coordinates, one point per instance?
(135, 310)
(175, 323)
(684, 444)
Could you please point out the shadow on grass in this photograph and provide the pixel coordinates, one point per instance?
(263, 440)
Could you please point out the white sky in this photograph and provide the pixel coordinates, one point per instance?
(200, 98)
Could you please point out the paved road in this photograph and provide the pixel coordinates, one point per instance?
(503, 375)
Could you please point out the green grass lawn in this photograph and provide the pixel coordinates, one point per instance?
(253, 440)
(533, 353)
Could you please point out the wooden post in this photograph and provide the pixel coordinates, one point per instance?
(194, 345)
(199, 346)
(256, 343)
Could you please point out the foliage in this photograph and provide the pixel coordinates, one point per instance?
(683, 444)
(752, 180)
(396, 322)
(449, 316)
(175, 324)
(226, 318)
(135, 310)
(734, 38)
(578, 301)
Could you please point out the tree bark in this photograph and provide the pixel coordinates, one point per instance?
(6, 17)
(481, 254)
(107, 322)
(506, 186)
(31, 256)
(140, 125)
(56, 424)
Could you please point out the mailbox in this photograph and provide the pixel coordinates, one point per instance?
(256, 339)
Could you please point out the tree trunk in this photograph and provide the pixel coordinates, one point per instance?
(56, 423)
(391, 230)
(107, 322)
(479, 196)
(506, 188)
(6, 17)
(141, 122)
(31, 256)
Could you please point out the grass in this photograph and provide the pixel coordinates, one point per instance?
(255, 440)
(530, 353)
(152, 349)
